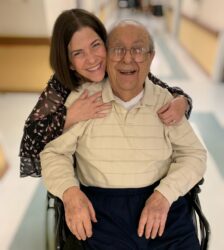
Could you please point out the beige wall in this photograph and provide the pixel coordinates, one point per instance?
(35, 18)
(193, 37)
(31, 69)
(208, 12)
(102, 8)
(22, 18)
(200, 25)
(30, 18)
(52, 8)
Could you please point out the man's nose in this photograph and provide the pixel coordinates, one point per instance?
(128, 57)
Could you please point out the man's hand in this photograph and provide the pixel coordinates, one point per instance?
(153, 216)
(79, 213)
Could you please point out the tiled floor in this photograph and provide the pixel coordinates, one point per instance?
(22, 210)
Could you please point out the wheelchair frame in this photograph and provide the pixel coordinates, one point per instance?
(57, 230)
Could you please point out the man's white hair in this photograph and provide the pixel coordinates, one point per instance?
(130, 21)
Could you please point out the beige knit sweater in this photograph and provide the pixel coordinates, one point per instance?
(126, 149)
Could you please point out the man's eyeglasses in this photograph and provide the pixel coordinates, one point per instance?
(138, 54)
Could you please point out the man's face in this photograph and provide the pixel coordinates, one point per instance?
(127, 75)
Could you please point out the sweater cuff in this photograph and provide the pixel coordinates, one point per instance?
(167, 193)
(64, 186)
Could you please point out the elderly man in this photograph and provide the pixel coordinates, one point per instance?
(128, 190)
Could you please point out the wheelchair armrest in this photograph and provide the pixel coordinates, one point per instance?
(196, 209)
(193, 193)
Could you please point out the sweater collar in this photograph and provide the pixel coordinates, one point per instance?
(147, 99)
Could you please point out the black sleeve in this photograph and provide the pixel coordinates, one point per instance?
(45, 123)
(174, 91)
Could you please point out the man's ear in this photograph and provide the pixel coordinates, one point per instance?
(152, 54)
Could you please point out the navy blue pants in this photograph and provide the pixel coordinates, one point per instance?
(118, 212)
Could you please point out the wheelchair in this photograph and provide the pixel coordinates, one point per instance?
(57, 230)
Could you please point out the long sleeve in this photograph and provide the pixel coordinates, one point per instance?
(57, 162)
(45, 123)
(188, 162)
(174, 91)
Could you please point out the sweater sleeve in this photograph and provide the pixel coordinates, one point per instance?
(188, 163)
(57, 161)
(175, 91)
(45, 123)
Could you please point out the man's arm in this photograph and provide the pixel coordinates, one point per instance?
(57, 164)
(60, 179)
(186, 169)
(188, 162)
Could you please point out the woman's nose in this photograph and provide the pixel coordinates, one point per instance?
(91, 57)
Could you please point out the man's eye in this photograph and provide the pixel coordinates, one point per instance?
(118, 50)
(137, 50)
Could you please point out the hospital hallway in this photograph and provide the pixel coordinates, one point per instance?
(23, 200)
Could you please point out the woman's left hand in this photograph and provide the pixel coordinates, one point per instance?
(172, 112)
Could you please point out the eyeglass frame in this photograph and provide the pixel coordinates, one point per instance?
(131, 53)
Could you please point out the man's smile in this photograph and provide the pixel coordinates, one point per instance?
(127, 71)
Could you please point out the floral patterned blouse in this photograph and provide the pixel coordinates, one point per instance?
(47, 119)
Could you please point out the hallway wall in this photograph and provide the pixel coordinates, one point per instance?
(30, 18)
(200, 28)
(24, 44)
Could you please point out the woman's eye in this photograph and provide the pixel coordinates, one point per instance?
(96, 45)
(77, 54)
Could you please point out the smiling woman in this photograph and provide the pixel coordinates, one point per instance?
(87, 54)
(71, 47)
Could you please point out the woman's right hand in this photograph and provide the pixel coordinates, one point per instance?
(86, 107)
(79, 213)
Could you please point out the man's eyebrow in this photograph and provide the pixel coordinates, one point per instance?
(117, 41)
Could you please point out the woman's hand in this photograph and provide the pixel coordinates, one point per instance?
(79, 213)
(172, 112)
(86, 107)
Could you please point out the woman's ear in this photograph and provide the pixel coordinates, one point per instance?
(72, 67)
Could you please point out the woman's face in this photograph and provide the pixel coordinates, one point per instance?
(87, 54)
